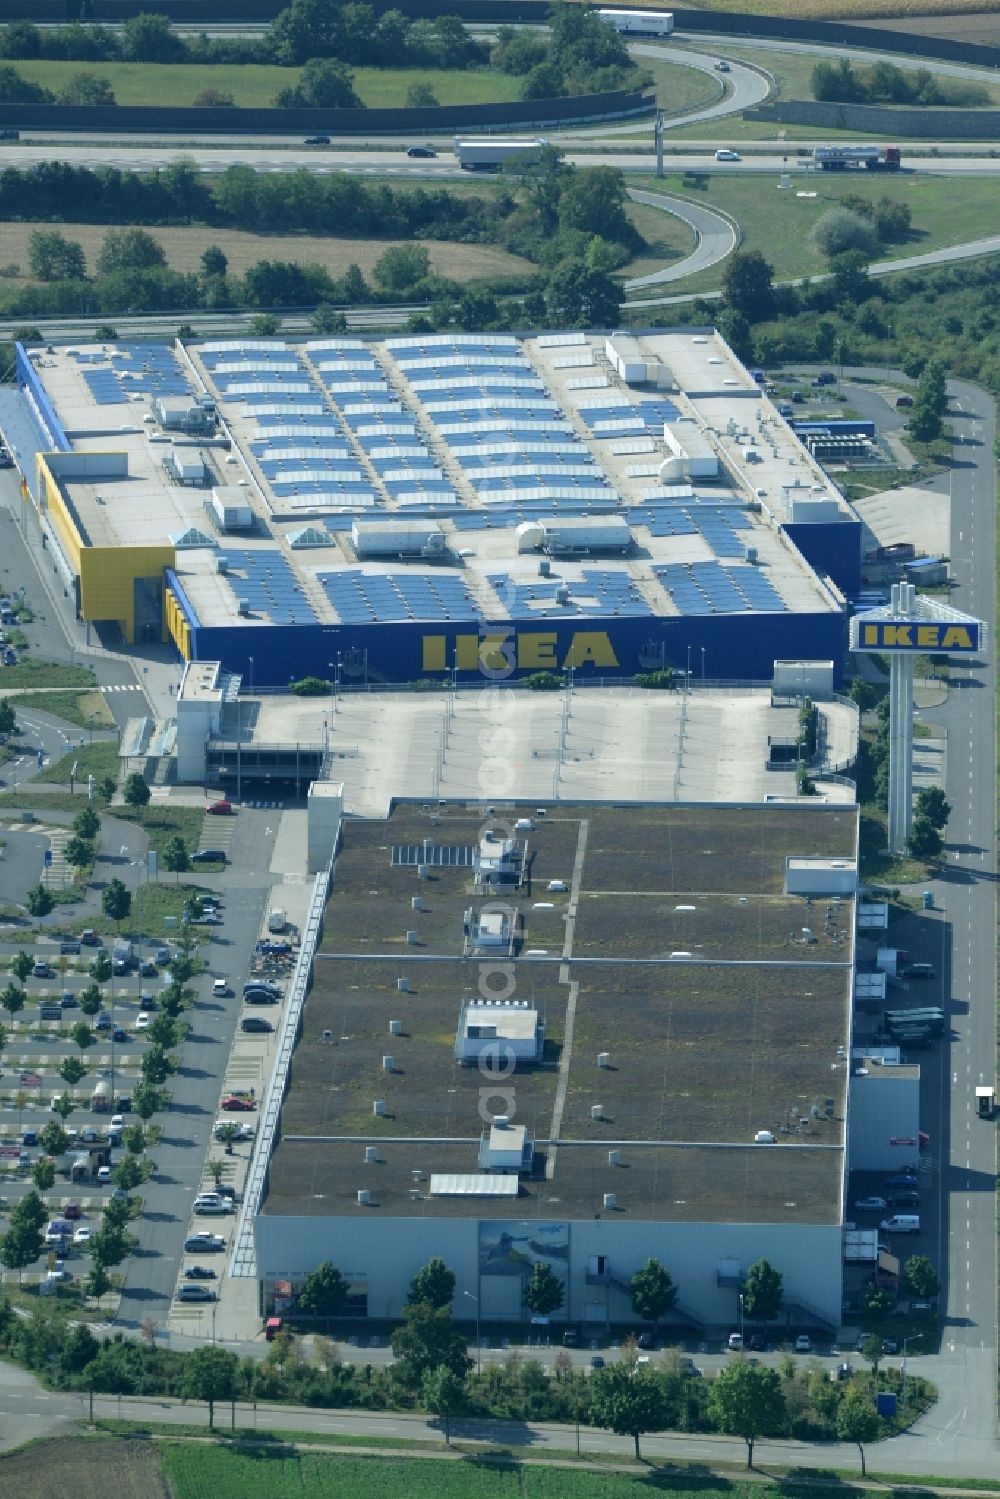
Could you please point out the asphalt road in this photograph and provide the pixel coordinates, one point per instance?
(716, 238)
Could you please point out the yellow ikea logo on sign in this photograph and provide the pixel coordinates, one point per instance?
(531, 650)
(891, 635)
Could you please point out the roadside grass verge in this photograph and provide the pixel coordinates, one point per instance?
(45, 674)
(254, 85)
(97, 760)
(82, 709)
(162, 822)
(946, 211)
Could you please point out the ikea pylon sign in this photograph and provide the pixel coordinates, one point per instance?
(944, 636)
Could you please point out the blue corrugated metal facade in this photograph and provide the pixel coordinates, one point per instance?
(736, 647)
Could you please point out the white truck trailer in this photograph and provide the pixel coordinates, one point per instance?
(487, 154)
(639, 22)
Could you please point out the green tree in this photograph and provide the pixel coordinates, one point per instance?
(23, 1241)
(38, 901)
(544, 1292)
(920, 1277)
(327, 319)
(156, 1066)
(594, 200)
(116, 900)
(227, 1134)
(110, 1245)
(924, 841)
(97, 1282)
(581, 297)
(12, 997)
(434, 1282)
(323, 83)
(879, 1302)
(747, 1401)
(129, 250)
(100, 968)
(43, 1174)
(106, 788)
(135, 1139)
(871, 1350)
(323, 1292)
(210, 1374)
(214, 262)
(653, 1291)
(53, 1139)
(628, 1399)
(150, 38)
(52, 257)
(129, 1174)
(87, 88)
(762, 1292)
(748, 285)
(79, 852)
(87, 823)
(427, 1339)
(858, 1421)
(401, 267)
(15, 89)
(21, 965)
(421, 96)
(932, 804)
(443, 1394)
(541, 176)
(841, 229)
(72, 1070)
(214, 98)
(264, 325)
(79, 1349)
(90, 1002)
(136, 793)
(176, 858)
(304, 29)
(8, 718)
(147, 1100)
(64, 1106)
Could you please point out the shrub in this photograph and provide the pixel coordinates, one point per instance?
(841, 229)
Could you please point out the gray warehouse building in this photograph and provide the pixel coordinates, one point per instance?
(657, 1068)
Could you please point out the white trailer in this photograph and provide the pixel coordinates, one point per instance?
(639, 22)
(488, 155)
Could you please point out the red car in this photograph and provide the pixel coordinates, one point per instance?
(238, 1105)
(220, 809)
(71, 1210)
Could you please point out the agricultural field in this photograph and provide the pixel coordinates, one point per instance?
(254, 85)
(89, 1468)
(184, 245)
(946, 211)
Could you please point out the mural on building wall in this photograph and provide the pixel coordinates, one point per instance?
(514, 1249)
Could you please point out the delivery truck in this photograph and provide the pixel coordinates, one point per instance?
(488, 154)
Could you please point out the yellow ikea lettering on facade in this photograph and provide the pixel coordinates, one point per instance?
(884, 635)
(529, 650)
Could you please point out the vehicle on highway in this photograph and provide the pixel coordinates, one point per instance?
(870, 1205)
(256, 1025)
(233, 1105)
(194, 1292)
(204, 1243)
(803, 1343)
(208, 856)
(722, 66)
(725, 154)
(316, 140)
(199, 1272)
(421, 151)
(220, 809)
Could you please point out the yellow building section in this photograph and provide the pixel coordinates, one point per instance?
(107, 574)
(177, 626)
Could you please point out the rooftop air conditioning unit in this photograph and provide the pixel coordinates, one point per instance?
(597, 1111)
(610, 1200)
(364, 1198)
(371, 1154)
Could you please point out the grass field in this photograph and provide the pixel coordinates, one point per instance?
(792, 71)
(72, 707)
(678, 88)
(184, 246)
(945, 211)
(254, 85)
(161, 822)
(45, 674)
(97, 760)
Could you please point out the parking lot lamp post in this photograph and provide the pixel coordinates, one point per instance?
(741, 1318)
(902, 1382)
(479, 1346)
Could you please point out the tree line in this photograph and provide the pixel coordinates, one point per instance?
(432, 1371)
(883, 83)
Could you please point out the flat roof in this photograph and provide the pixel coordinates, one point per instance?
(481, 432)
(680, 925)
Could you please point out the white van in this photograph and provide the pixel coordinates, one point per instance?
(901, 1223)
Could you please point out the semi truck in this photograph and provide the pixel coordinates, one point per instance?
(857, 158)
(639, 22)
(489, 155)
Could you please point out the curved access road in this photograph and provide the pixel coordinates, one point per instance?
(717, 237)
(741, 87)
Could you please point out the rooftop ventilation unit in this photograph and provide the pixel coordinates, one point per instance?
(371, 1155)
(415, 1194)
(604, 1059)
(388, 1064)
(378, 1107)
(403, 985)
(364, 1198)
(417, 1174)
(416, 903)
(597, 1111)
(395, 1027)
(614, 1157)
(610, 1200)
(412, 937)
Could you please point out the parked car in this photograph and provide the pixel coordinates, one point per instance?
(147, 969)
(256, 1025)
(890, 1345)
(194, 1292)
(119, 1033)
(209, 918)
(72, 1210)
(208, 856)
(103, 1021)
(199, 1272)
(597, 1362)
(905, 1199)
(220, 809)
(803, 1343)
(41, 970)
(162, 955)
(423, 152)
(261, 997)
(234, 1105)
(686, 1365)
(220, 989)
(69, 1000)
(69, 947)
(29, 1137)
(903, 402)
(142, 1021)
(82, 1234)
(104, 1173)
(841, 1372)
(316, 140)
(735, 1342)
(204, 1243)
(89, 938)
(902, 1179)
(263, 986)
(870, 1205)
